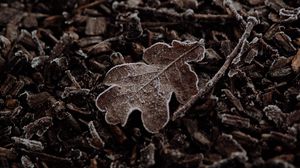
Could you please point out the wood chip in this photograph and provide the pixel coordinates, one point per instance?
(95, 26)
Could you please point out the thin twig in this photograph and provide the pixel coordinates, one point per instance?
(229, 4)
(72, 78)
(180, 112)
(157, 24)
(90, 5)
(109, 40)
(172, 15)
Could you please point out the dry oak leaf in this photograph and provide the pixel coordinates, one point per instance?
(148, 87)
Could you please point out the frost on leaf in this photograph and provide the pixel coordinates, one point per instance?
(147, 87)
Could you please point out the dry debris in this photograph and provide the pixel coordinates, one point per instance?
(234, 104)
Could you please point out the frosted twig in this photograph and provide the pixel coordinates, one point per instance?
(180, 112)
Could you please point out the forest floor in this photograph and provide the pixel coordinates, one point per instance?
(54, 56)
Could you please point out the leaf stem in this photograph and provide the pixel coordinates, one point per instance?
(180, 112)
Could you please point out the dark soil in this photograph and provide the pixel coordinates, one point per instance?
(54, 56)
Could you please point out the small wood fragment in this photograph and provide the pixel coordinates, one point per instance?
(95, 26)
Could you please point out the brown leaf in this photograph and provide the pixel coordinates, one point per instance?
(296, 62)
(148, 87)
